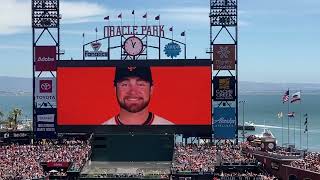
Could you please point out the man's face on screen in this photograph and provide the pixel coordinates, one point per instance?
(133, 94)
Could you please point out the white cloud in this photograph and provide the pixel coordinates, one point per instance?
(15, 15)
(194, 15)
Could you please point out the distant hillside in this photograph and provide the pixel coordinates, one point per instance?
(246, 87)
(16, 85)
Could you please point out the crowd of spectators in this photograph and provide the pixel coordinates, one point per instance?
(23, 161)
(245, 175)
(204, 157)
(233, 154)
(194, 157)
(310, 162)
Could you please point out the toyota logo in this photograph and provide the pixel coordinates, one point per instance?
(45, 86)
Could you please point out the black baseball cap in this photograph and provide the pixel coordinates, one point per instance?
(133, 71)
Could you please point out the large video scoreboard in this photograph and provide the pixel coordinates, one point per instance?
(100, 95)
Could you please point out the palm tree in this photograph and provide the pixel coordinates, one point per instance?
(15, 113)
(1, 116)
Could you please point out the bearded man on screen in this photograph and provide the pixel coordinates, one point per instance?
(134, 88)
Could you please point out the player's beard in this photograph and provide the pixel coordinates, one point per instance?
(134, 107)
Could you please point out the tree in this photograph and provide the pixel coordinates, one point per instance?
(1, 116)
(13, 117)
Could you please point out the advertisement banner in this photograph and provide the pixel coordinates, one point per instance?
(58, 164)
(224, 57)
(224, 88)
(224, 125)
(178, 95)
(45, 58)
(96, 51)
(45, 90)
(45, 125)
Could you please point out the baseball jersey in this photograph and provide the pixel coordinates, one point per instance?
(151, 120)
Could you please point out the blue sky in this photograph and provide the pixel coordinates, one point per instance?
(278, 40)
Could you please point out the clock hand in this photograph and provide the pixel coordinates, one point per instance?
(134, 44)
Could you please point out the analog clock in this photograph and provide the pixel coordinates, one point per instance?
(133, 46)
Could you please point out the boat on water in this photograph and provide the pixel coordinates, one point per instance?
(248, 126)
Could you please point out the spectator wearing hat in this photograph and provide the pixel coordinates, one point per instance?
(134, 88)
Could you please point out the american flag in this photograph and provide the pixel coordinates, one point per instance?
(285, 97)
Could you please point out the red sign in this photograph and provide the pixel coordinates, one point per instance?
(45, 58)
(45, 86)
(58, 164)
(224, 56)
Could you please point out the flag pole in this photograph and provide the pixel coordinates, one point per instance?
(134, 18)
(83, 39)
(172, 34)
(96, 34)
(300, 120)
(307, 132)
(282, 128)
(146, 36)
(288, 117)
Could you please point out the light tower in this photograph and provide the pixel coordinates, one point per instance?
(224, 55)
(46, 43)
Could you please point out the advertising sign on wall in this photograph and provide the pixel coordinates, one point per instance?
(45, 125)
(45, 58)
(224, 125)
(224, 57)
(224, 88)
(96, 51)
(45, 89)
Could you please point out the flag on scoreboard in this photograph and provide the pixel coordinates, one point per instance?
(144, 16)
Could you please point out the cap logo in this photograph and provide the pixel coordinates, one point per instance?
(131, 68)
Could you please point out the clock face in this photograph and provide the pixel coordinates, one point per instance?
(270, 146)
(133, 46)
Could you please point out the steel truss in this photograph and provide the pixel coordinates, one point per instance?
(45, 32)
(224, 30)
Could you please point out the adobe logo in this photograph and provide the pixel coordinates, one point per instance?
(45, 86)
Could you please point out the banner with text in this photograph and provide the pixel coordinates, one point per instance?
(224, 88)
(45, 125)
(110, 31)
(224, 125)
(45, 58)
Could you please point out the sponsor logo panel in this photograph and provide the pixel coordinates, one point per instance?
(224, 123)
(45, 90)
(45, 58)
(224, 88)
(224, 57)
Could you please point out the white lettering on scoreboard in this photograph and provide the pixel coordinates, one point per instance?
(110, 31)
